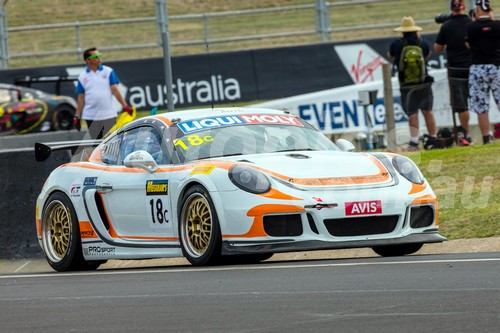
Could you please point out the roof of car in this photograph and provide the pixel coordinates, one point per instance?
(209, 112)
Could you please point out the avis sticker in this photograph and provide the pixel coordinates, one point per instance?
(363, 207)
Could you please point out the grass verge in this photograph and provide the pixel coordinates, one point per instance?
(466, 182)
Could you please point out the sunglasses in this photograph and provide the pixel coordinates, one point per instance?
(95, 56)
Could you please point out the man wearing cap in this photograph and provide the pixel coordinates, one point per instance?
(95, 88)
(483, 38)
(414, 96)
(452, 37)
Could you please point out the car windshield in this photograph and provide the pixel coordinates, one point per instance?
(224, 138)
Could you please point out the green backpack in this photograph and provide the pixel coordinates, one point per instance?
(411, 64)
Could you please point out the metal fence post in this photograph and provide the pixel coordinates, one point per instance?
(323, 20)
(78, 41)
(205, 28)
(162, 20)
(4, 50)
(389, 107)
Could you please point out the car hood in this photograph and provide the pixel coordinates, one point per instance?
(321, 168)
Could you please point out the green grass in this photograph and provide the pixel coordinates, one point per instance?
(29, 12)
(466, 182)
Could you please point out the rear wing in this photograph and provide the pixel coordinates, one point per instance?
(43, 150)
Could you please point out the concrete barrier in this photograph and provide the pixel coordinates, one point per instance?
(21, 179)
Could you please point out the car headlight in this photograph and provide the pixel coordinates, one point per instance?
(249, 179)
(408, 169)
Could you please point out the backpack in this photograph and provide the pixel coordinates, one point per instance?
(411, 64)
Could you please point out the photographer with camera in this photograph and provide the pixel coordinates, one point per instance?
(483, 38)
(451, 37)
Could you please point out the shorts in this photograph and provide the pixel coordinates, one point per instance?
(482, 79)
(416, 97)
(458, 81)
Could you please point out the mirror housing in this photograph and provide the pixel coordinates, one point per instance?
(141, 159)
(345, 145)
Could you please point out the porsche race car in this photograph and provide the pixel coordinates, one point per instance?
(26, 110)
(229, 183)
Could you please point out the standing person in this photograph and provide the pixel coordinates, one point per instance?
(95, 88)
(483, 38)
(409, 54)
(452, 37)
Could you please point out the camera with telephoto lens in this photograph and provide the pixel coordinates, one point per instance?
(441, 18)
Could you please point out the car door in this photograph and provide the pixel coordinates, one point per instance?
(137, 202)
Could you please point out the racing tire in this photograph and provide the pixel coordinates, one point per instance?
(61, 236)
(199, 229)
(397, 250)
(62, 118)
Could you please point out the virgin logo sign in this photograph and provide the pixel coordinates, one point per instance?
(363, 207)
(362, 72)
(361, 61)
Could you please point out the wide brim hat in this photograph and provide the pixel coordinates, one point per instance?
(408, 25)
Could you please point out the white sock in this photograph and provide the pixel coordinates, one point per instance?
(414, 139)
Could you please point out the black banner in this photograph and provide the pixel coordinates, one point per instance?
(230, 77)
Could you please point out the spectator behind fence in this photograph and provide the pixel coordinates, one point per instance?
(483, 39)
(409, 54)
(452, 37)
(95, 88)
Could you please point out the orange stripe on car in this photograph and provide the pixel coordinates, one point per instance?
(415, 188)
(258, 212)
(86, 230)
(275, 194)
(163, 119)
(39, 227)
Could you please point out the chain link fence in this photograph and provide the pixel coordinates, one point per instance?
(46, 32)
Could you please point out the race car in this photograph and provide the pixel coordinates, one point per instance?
(237, 184)
(24, 110)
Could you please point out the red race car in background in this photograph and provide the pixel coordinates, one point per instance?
(26, 110)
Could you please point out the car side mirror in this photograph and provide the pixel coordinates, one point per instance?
(345, 145)
(141, 159)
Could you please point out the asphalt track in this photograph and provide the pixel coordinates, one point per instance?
(420, 293)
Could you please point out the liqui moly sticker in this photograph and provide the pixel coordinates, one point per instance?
(190, 126)
(363, 207)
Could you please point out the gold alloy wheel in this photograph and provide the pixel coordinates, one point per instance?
(197, 225)
(57, 231)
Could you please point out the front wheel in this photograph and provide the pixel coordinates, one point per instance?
(61, 236)
(199, 228)
(397, 250)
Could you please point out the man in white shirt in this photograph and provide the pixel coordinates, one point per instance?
(95, 88)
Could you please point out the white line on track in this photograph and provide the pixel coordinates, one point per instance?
(239, 268)
(22, 266)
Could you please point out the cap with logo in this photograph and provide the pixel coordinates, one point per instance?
(484, 4)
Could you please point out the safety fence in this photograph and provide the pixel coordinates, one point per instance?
(127, 29)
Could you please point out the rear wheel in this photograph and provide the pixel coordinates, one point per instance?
(61, 236)
(397, 250)
(199, 228)
(62, 118)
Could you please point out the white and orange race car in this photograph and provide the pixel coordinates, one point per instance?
(229, 184)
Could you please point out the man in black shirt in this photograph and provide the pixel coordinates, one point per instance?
(483, 38)
(452, 37)
(414, 96)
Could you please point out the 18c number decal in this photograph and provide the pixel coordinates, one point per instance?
(193, 140)
(158, 212)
